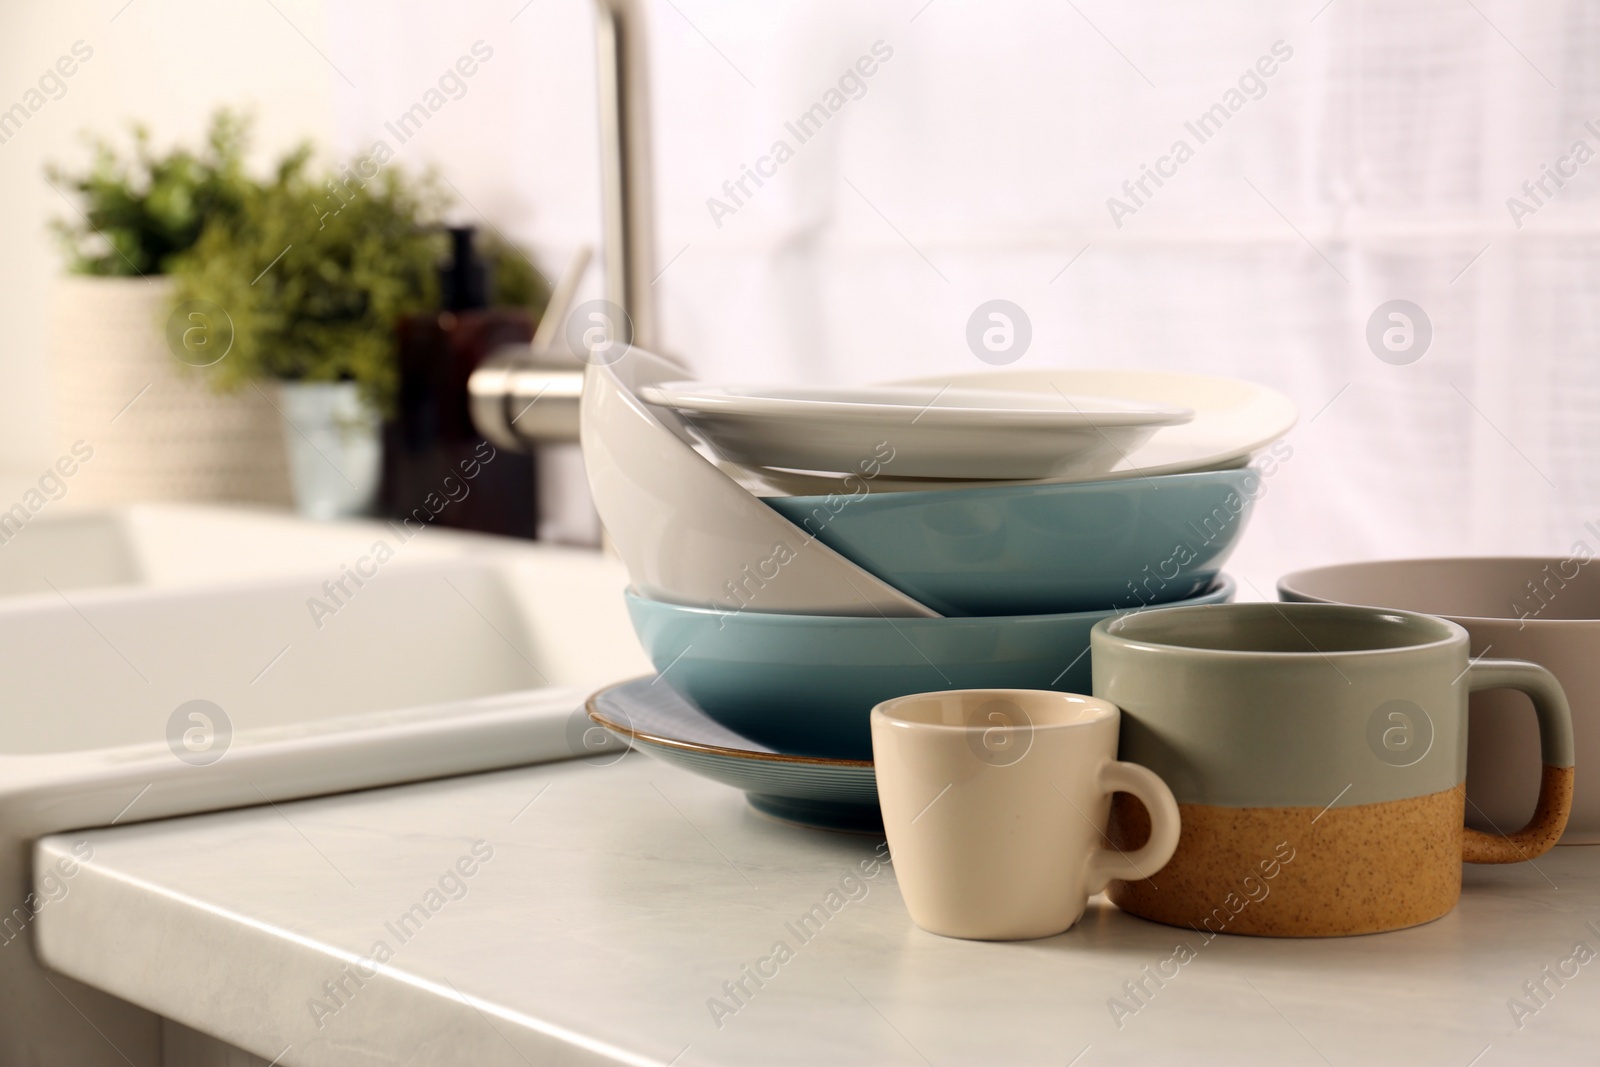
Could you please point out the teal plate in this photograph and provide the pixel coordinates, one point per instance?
(832, 794)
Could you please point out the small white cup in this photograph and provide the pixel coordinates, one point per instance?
(995, 802)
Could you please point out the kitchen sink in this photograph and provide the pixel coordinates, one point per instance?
(164, 661)
(171, 545)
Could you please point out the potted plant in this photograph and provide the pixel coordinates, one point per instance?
(279, 298)
(311, 272)
(166, 435)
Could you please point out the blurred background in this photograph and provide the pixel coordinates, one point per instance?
(1425, 151)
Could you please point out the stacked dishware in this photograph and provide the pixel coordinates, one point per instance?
(798, 556)
(986, 614)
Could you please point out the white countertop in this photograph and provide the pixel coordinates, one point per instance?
(619, 899)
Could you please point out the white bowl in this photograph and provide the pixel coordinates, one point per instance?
(688, 533)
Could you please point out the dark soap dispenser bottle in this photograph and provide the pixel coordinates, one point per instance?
(437, 469)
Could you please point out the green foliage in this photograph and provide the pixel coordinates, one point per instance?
(514, 281)
(316, 271)
(137, 214)
(314, 268)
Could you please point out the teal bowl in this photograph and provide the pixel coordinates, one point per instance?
(804, 684)
(1036, 549)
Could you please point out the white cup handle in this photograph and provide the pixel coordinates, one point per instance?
(1108, 864)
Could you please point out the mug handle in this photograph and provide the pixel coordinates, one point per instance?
(1556, 752)
(1109, 863)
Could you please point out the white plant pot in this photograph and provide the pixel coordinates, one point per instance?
(334, 448)
(158, 430)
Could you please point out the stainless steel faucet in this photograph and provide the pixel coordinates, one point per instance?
(627, 188)
(529, 393)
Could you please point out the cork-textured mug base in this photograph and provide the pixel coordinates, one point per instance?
(1299, 871)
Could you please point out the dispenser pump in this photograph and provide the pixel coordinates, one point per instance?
(463, 278)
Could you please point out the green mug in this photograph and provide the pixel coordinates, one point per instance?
(1318, 755)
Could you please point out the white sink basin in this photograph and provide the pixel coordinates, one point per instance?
(166, 545)
(103, 671)
(460, 653)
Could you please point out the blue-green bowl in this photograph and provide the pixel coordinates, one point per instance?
(1035, 549)
(804, 684)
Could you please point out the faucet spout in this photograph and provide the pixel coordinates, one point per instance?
(503, 389)
(627, 189)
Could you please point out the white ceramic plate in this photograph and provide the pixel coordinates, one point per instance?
(921, 431)
(1233, 420)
